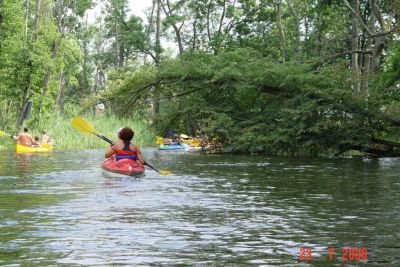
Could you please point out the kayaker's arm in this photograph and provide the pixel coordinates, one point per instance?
(33, 141)
(140, 156)
(109, 152)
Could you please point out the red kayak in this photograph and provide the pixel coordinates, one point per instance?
(124, 166)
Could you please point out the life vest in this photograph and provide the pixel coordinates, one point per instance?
(125, 153)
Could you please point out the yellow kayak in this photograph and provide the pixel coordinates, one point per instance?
(28, 149)
(159, 140)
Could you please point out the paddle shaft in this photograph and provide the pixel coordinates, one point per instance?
(104, 138)
(145, 163)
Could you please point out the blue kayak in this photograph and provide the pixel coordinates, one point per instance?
(172, 147)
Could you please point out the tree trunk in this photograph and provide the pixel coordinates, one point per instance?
(85, 84)
(121, 55)
(209, 22)
(297, 32)
(148, 29)
(281, 29)
(55, 47)
(27, 14)
(355, 47)
(378, 48)
(4, 113)
(158, 32)
(116, 48)
(194, 33)
(366, 63)
(35, 28)
(379, 39)
(156, 89)
(190, 124)
(221, 20)
(60, 93)
(366, 66)
(176, 28)
(379, 42)
(96, 80)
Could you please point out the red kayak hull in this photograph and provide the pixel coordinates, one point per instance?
(123, 166)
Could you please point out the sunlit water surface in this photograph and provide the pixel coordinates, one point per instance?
(60, 209)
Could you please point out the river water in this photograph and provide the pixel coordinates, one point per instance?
(60, 209)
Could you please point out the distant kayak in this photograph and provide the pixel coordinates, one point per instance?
(29, 149)
(123, 166)
(172, 147)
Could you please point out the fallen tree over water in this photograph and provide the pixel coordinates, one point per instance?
(249, 104)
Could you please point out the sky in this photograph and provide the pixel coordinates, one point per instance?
(136, 7)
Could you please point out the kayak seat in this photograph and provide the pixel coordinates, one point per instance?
(132, 157)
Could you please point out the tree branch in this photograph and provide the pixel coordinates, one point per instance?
(346, 3)
(368, 30)
(385, 142)
(322, 59)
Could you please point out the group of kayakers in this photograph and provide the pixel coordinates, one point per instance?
(122, 148)
(26, 139)
(182, 139)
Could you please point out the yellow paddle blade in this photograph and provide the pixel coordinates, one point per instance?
(165, 172)
(82, 125)
(2, 134)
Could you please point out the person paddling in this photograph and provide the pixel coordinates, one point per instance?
(123, 148)
(24, 138)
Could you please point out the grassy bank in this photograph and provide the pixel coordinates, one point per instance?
(66, 137)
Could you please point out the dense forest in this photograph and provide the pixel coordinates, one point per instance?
(306, 77)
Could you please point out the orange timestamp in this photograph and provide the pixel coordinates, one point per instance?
(347, 254)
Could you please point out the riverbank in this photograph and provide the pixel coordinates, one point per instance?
(67, 138)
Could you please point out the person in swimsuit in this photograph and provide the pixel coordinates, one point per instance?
(46, 139)
(24, 138)
(123, 148)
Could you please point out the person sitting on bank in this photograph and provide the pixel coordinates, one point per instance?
(24, 139)
(123, 148)
(46, 139)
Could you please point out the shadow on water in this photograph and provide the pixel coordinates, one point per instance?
(61, 209)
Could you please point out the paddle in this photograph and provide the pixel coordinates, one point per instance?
(84, 126)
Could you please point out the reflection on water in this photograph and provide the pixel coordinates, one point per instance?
(59, 209)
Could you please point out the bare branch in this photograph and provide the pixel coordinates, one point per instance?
(337, 55)
(346, 3)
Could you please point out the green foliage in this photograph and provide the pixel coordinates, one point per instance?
(248, 103)
(392, 74)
